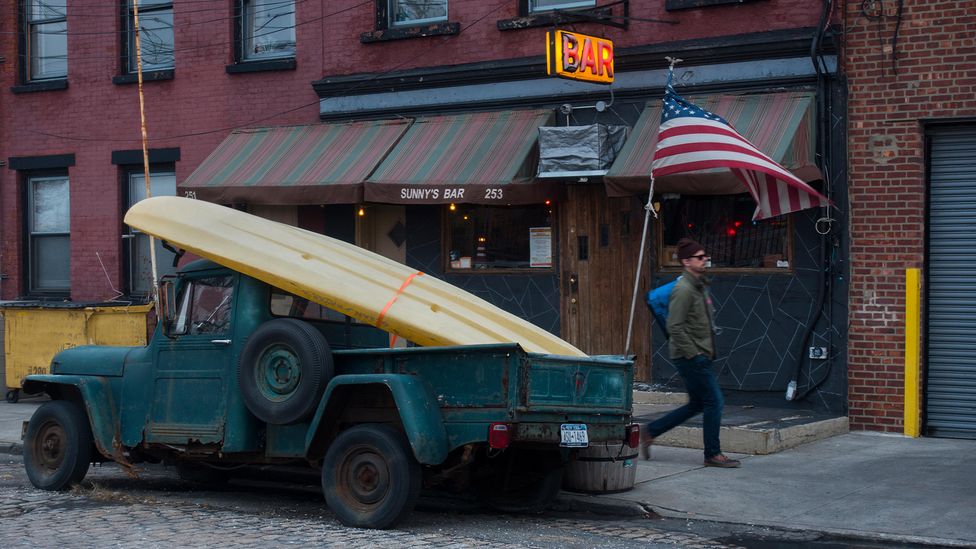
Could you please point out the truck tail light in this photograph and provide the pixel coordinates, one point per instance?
(633, 435)
(499, 436)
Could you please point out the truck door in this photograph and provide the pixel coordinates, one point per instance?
(193, 369)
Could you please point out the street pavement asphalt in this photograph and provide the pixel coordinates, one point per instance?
(861, 485)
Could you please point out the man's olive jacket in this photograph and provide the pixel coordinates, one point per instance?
(690, 319)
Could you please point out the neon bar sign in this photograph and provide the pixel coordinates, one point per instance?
(579, 57)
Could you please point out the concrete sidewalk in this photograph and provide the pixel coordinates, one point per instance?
(861, 485)
(854, 484)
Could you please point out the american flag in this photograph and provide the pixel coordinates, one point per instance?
(692, 139)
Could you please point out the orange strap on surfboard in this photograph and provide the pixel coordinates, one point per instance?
(379, 319)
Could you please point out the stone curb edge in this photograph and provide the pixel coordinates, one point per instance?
(12, 448)
(836, 532)
(599, 505)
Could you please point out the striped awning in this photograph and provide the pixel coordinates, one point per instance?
(779, 124)
(483, 158)
(316, 164)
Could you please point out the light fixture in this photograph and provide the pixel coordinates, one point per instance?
(362, 211)
(453, 207)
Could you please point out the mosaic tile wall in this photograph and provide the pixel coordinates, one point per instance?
(762, 319)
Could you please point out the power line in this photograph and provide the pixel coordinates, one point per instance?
(126, 14)
(353, 88)
(125, 54)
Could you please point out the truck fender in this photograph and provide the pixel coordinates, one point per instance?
(94, 395)
(416, 405)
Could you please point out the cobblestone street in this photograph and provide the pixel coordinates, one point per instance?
(159, 510)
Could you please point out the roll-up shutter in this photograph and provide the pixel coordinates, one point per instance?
(951, 380)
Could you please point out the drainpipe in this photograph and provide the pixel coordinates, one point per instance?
(823, 129)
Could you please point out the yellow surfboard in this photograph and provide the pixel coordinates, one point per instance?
(338, 275)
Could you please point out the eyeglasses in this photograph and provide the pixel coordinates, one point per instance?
(702, 257)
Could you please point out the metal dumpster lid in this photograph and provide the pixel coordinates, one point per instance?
(46, 304)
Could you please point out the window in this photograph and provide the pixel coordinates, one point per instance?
(48, 234)
(138, 262)
(547, 5)
(155, 35)
(416, 12)
(492, 237)
(291, 305)
(724, 225)
(47, 40)
(205, 306)
(268, 28)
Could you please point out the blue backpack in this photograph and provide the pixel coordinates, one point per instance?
(658, 300)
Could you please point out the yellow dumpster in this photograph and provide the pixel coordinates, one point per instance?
(34, 332)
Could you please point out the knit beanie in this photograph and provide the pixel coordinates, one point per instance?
(688, 247)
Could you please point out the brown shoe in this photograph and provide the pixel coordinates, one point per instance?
(645, 446)
(719, 460)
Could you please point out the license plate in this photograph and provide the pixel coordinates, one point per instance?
(573, 435)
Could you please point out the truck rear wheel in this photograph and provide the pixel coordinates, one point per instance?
(370, 477)
(283, 370)
(57, 446)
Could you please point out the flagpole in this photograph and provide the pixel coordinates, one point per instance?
(648, 210)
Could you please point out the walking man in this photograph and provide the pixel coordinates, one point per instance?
(692, 349)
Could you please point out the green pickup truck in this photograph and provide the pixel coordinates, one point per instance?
(241, 373)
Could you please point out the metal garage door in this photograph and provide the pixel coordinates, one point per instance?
(951, 385)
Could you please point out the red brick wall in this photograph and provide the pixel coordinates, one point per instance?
(935, 79)
(196, 109)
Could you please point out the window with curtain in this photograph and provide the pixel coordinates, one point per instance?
(48, 235)
(415, 12)
(46, 40)
(724, 225)
(547, 5)
(268, 29)
(138, 262)
(155, 35)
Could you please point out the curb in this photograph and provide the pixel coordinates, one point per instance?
(837, 533)
(12, 448)
(571, 502)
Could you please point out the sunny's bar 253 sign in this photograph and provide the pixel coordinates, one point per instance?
(579, 57)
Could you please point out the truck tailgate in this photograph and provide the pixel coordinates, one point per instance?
(592, 385)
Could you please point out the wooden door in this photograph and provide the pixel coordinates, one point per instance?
(599, 245)
(382, 229)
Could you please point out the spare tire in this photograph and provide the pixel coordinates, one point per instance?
(283, 370)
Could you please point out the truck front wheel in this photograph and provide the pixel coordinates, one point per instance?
(370, 477)
(57, 446)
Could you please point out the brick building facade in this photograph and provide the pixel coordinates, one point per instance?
(349, 62)
(911, 76)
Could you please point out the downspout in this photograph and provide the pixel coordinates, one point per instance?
(823, 129)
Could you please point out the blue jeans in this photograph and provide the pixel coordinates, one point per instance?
(704, 396)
